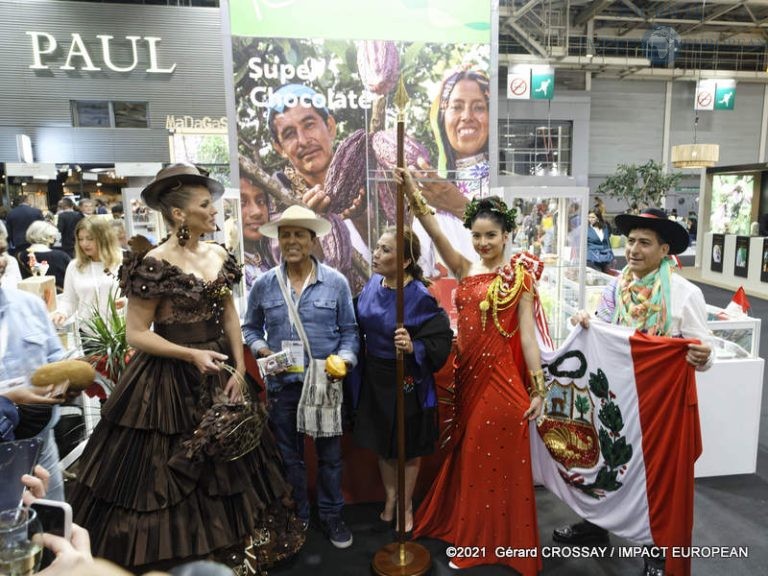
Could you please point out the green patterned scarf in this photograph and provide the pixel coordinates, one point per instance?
(642, 303)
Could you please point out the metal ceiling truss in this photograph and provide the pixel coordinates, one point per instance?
(710, 35)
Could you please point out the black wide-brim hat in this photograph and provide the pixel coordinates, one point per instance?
(670, 231)
(173, 175)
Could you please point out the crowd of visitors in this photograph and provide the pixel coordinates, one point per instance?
(158, 486)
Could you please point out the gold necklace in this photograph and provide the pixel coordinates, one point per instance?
(502, 294)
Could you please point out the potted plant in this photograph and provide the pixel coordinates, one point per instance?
(104, 341)
(639, 185)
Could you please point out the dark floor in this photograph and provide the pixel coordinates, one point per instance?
(729, 511)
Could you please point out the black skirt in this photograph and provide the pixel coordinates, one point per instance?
(376, 419)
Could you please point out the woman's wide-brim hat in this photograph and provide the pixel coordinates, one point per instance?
(669, 231)
(173, 175)
(296, 216)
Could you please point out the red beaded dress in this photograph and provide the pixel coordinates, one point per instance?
(483, 494)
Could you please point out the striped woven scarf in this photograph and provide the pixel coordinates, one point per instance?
(642, 302)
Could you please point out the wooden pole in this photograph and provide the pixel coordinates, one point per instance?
(403, 558)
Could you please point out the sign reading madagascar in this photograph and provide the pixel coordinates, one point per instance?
(314, 84)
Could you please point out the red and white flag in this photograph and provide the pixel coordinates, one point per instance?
(738, 306)
(621, 434)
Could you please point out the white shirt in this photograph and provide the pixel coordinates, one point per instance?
(12, 275)
(83, 289)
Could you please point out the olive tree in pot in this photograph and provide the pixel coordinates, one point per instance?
(640, 186)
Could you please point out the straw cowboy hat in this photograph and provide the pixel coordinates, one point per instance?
(175, 174)
(654, 219)
(296, 216)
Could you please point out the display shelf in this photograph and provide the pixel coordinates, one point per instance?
(549, 225)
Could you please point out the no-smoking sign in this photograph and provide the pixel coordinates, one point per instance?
(518, 87)
(705, 95)
(703, 100)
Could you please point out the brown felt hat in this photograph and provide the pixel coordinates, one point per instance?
(173, 175)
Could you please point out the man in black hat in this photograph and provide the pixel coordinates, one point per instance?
(652, 297)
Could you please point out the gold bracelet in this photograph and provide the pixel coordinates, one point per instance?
(538, 387)
(419, 205)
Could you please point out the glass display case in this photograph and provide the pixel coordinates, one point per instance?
(230, 233)
(549, 225)
(594, 284)
(140, 219)
(734, 338)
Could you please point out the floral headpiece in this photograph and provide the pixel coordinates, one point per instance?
(485, 204)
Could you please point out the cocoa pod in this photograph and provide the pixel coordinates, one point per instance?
(347, 172)
(386, 191)
(384, 145)
(337, 245)
(378, 64)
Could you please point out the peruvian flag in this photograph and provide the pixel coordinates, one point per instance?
(621, 434)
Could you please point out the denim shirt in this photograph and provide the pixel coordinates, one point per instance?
(32, 341)
(326, 311)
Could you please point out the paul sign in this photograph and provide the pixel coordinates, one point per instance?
(45, 46)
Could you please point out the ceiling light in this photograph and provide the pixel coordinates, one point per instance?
(695, 155)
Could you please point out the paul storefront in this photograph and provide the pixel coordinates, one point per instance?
(92, 92)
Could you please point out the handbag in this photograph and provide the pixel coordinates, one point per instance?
(228, 430)
(319, 411)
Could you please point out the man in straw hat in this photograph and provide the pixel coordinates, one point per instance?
(301, 400)
(650, 296)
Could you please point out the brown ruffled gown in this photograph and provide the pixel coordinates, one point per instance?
(143, 500)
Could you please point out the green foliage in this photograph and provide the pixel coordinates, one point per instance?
(606, 480)
(582, 405)
(646, 184)
(598, 383)
(614, 448)
(104, 340)
(617, 452)
(610, 416)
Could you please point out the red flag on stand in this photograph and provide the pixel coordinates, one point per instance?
(739, 305)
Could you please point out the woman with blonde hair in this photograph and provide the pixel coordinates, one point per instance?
(41, 235)
(91, 278)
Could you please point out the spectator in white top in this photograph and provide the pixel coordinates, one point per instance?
(12, 274)
(92, 276)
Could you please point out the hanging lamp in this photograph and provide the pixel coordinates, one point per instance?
(695, 155)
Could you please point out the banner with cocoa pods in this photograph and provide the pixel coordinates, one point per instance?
(314, 85)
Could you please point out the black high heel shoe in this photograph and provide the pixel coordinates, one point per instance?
(382, 525)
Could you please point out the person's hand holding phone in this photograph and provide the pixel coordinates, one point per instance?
(71, 554)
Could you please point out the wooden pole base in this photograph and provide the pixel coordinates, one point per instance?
(412, 560)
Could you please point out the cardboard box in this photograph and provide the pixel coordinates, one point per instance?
(43, 286)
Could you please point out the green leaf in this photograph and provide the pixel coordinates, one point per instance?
(610, 416)
(606, 479)
(598, 384)
(104, 338)
(606, 444)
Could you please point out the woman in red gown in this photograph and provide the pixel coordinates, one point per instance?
(482, 497)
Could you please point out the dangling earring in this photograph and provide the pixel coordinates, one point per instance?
(182, 234)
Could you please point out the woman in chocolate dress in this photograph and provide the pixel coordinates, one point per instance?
(146, 500)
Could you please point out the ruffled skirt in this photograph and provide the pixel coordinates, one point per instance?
(145, 502)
